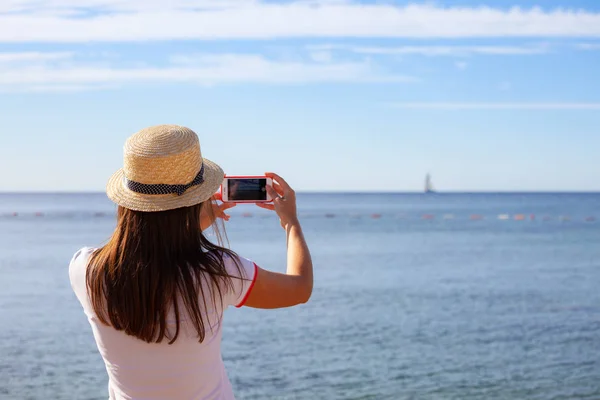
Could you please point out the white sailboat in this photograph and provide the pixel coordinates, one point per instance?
(429, 185)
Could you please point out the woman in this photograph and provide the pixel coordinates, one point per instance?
(155, 294)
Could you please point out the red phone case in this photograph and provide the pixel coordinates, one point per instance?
(244, 177)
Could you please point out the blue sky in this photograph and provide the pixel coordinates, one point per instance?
(333, 95)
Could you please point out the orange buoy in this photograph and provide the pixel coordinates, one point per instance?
(476, 217)
(39, 214)
(247, 215)
(375, 216)
(519, 217)
(590, 219)
(428, 216)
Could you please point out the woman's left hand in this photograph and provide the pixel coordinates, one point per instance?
(209, 216)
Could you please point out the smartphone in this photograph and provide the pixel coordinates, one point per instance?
(245, 189)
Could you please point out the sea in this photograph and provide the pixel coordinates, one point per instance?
(416, 296)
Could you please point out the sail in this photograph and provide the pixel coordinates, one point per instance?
(428, 184)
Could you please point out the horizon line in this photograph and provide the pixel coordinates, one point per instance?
(455, 106)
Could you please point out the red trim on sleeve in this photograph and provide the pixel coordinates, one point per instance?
(250, 288)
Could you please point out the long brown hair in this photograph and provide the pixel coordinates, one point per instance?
(155, 261)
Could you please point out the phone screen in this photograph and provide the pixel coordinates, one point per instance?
(247, 189)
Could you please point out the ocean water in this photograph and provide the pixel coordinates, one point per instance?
(448, 296)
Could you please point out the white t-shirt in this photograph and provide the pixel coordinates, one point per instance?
(183, 370)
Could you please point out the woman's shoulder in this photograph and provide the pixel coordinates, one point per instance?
(243, 272)
(81, 256)
(78, 265)
(237, 265)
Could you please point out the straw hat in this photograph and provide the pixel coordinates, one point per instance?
(163, 170)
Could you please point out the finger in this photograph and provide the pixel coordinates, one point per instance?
(223, 215)
(216, 196)
(286, 187)
(266, 206)
(278, 188)
(226, 206)
(272, 192)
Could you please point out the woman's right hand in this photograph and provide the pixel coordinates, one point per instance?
(284, 201)
(274, 289)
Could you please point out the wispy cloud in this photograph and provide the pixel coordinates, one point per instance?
(34, 56)
(323, 56)
(81, 6)
(461, 65)
(201, 69)
(434, 51)
(52, 88)
(137, 20)
(498, 106)
(587, 46)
